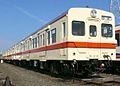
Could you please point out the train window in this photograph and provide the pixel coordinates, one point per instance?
(48, 37)
(35, 44)
(117, 37)
(93, 31)
(78, 28)
(53, 32)
(43, 39)
(38, 40)
(28, 45)
(64, 27)
(24, 46)
(107, 30)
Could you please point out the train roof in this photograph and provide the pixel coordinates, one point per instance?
(49, 23)
(54, 20)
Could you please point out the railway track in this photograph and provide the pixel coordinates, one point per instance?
(100, 80)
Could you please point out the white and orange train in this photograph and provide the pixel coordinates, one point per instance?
(117, 36)
(81, 40)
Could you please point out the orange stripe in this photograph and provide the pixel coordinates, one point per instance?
(91, 45)
(71, 45)
(117, 31)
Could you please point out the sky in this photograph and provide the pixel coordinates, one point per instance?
(20, 18)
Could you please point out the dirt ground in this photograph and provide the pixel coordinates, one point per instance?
(23, 77)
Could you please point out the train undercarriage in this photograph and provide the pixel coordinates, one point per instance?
(86, 68)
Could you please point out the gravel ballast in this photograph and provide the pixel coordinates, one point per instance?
(23, 77)
(19, 76)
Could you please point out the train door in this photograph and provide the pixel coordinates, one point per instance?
(93, 39)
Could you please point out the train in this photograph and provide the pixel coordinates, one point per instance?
(117, 36)
(116, 63)
(79, 41)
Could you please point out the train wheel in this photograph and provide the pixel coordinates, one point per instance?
(65, 69)
(53, 68)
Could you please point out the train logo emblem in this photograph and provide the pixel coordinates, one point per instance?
(93, 13)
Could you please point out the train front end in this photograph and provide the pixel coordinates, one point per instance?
(91, 39)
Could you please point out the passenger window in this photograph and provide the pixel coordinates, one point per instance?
(35, 43)
(78, 28)
(28, 44)
(107, 30)
(117, 37)
(43, 39)
(48, 37)
(64, 28)
(53, 32)
(40, 40)
(93, 31)
(35, 40)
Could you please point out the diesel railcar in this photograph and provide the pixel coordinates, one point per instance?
(116, 63)
(117, 36)
(81, 40)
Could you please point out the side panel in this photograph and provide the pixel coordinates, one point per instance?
(80, 54)
(49, 51)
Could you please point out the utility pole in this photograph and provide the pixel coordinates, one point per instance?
(114, 7)
(110, 6)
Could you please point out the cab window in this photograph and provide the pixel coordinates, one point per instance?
(78, 28)
(107, 30)
(93, 31)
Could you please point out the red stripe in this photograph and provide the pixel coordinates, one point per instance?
(117, 31)
(70, 45)
(118, 57)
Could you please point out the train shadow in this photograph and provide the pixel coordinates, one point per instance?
(64, 78)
